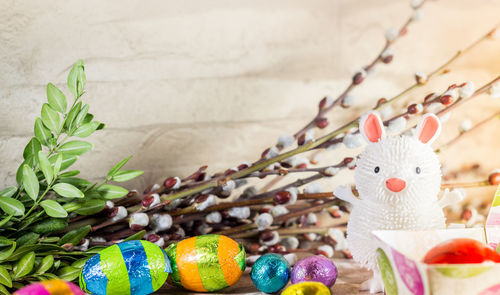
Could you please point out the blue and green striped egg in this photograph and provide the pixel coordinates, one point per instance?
(133, 267)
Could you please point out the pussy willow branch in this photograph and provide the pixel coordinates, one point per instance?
(352, 85)
(281, 218)
(461, 134)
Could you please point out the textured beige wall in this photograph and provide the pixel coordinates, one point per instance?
(186, 83)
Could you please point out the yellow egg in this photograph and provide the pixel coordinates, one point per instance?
(307, 288)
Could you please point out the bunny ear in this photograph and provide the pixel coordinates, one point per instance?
(428, 128)
(372, 127)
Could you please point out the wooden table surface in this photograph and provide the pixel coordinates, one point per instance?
(350, 277)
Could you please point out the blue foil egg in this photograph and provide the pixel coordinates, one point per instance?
(270, 273)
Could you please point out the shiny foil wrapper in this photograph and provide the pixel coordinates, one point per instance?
(206, 263)
(307, 288)
(315, 268)
(270, 273)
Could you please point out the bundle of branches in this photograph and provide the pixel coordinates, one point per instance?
(70, 218)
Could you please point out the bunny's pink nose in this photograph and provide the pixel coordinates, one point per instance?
(395, 184)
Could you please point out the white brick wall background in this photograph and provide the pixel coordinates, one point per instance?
(186, 83)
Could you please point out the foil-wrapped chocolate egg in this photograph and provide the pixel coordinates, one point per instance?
(315, 268)
(206, 263)
(307, 288)
(270, 273)
(133, 267)
(50, 287)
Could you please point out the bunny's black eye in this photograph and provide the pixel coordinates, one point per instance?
(377, 169)
(418, 170)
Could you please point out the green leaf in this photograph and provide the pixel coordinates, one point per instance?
(46, 264)
(81, 115)
(76, 79)
(72, 115)
(3, 290)
(49, 239)
(69, 173)
(27, 239)
(68, 273)
(41, 132)
(80, 262)
(137, 236)
(88, 118)
(56, 98)
(65, 162)
(45, 166)
(53, 209)
(5, 254)
(24, 266)
(101, 126)
(12, 206)
(78, 182)
(32, 148)
(118, 166)
(8, 192)
(75, 147)
(74, 237)
(5, 242)
(70, 207)
(86, 129)
(67, 190)
(50, 118)
(5, 278)
(5, 220)
(50, 225)
(91, 206)
(30, 182)
(126, 175)
(109, 191)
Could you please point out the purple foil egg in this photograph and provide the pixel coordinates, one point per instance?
(315, 268)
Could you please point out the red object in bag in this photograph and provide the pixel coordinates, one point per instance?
(461, 251)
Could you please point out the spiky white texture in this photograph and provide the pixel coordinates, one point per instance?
(313, 188)
(177, 183)
(290, 242)
(415, 207)
(140, 219)
(301, 160)
(172, 205)
(285, 140)
(229, 186)
(435, 107)
(264, 221)
(83, 246)
(161, 222)
(121, 214)
(452, 92)
(213, 217)
(495, 90)
(353, 141)
(396, 126)
(279, 210)
(239, 212)
(311, 236)
(467, 90)
(386, 53)
(465, 125)
(418, 14)
(339, 237)
(291, 161)
(326, 249)
(421, 77)
(210, 201)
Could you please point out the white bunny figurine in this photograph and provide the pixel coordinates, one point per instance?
(398, 179)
